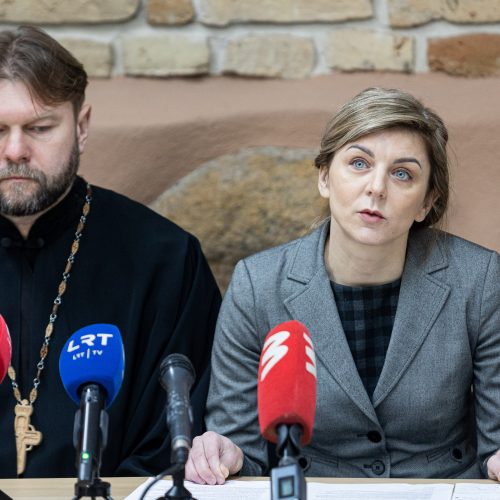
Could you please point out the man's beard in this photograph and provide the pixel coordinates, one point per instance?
(17, 203)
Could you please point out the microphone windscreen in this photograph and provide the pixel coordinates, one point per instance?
(5, 348)
(93, 354)
(286, 390)
(175, 362)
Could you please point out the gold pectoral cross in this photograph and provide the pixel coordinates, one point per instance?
(26, 434)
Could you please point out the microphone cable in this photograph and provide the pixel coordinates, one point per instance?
(167, 472)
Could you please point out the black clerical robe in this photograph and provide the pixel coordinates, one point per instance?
(134, 269)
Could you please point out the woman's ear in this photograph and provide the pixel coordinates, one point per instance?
(323, 177)
(429, 201)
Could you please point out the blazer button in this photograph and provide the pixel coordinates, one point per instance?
(374, 436)
(304, 462)
(378, 467)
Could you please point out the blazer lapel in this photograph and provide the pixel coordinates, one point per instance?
(313, 304)
(420, 301)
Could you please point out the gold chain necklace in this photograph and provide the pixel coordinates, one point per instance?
(26, 434)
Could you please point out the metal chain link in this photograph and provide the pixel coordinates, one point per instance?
(49, 329)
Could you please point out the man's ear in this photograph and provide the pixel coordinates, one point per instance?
(82, 126)
(323, 187)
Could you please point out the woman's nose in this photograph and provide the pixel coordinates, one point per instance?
(377, 184)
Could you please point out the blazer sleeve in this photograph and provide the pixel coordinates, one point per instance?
(232, 399)
(487, 364)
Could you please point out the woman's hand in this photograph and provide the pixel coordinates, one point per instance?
(493, 465)
(212, 459)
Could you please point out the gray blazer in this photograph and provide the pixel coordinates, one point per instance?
(423, 420)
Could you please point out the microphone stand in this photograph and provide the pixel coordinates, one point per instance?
(90, 436)
(178, 491)
(287, 480)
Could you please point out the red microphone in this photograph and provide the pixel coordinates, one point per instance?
(5, 348)
(286, 390)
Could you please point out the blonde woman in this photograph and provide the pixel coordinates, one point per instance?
(405, 319)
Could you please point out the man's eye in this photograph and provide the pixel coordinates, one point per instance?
(39, 129)
(359, 164)
(402, 175)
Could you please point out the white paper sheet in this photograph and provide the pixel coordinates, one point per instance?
(476, 491)
(380, 491)
(237, 490)
(259, 490)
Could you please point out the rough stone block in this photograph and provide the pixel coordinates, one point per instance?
(222, 12)
(170, 11)
(356, 49)
(278, 56)
(67, 11)
(403, 13)
(468, 55)
(166, 56)
(96, 57)
(251, 200)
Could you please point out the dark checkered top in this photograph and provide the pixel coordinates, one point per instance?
(367, 314)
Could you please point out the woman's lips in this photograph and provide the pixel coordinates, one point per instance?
(371, 216)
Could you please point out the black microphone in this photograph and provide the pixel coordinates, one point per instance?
(177, 377)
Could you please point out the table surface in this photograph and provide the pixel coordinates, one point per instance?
(63, 488)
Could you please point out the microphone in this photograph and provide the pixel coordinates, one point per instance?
(91, 366)
(177, 377)
(5, 348)
(286, 391)
(286, 398)
(5, 355)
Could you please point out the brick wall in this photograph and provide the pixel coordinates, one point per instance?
(270, 38)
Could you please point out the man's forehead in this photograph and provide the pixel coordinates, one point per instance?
(16, 98)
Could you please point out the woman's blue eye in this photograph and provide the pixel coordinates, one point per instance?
(402, 175)
(359, 164)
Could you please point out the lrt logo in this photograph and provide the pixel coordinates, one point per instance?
(273, 352)
(87, 342)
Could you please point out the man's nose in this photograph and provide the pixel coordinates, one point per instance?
(15, 147)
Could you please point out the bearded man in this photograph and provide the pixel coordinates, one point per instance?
(72, 255)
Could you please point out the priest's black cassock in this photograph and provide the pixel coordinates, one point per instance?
(134, 269)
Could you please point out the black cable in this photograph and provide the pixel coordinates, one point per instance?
(4, 496)
(168, 472)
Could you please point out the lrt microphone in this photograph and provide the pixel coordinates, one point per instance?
(91, 366)
(177, 376)
(286, 396)
(5, 348)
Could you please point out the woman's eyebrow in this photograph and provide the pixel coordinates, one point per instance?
(408, 159)
(362, 148)
(405, 159)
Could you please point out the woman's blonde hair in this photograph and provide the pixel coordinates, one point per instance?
(377, 109)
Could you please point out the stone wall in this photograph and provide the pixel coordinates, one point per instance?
(231, 159)
(270, 38)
